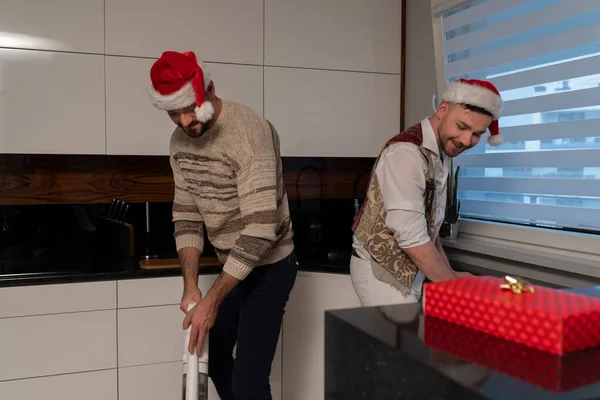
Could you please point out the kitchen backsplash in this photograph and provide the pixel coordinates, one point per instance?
(50, 206)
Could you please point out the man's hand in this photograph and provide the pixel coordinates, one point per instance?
(191, 294)
(202, 317)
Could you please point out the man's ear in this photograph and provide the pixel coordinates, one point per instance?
(442, 109)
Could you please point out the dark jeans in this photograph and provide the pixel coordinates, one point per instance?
(250, 315)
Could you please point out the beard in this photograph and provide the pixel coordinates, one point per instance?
(192, 129)
(451, 147)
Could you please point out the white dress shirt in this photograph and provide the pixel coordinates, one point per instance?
(401, 175)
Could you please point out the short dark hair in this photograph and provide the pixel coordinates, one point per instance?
(477, 109)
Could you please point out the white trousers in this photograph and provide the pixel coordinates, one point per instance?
(373, 292)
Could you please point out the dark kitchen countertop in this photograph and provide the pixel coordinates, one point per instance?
(52, 271)
(388, 353)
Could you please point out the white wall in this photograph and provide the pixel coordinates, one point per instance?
(74, 75)
(420, 62)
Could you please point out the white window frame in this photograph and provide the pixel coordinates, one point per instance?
(564, 251)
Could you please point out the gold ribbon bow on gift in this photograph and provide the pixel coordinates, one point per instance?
(517, 285)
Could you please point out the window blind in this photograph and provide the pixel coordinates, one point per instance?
(544, 58)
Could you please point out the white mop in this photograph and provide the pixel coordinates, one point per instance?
(195, 369)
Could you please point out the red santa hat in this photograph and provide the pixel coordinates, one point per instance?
(178, 81)
(481, 94)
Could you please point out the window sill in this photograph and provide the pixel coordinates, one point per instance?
(549, 251)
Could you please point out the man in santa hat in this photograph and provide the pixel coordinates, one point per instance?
(396, 233)
(228, 179)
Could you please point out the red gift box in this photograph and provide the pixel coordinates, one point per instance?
(537, 367)
(551, 320)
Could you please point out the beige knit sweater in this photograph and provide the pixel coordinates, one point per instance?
(230, 180)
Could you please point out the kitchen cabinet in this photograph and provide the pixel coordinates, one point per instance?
(23, 301)
(95, 385)
(135, 127)
(229, 31)
(303, 369)
(51, 103)
(157, 291)
(55, 344)
(150, 335)
(151, 339)
(53, 25)
(155, 382)
(352, 35)
(332, 113)
(150, 320)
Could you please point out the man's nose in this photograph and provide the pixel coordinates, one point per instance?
(466, 139)
(185, 120)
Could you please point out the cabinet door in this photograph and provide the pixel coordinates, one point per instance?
(303, 369)
(135, 127)
(332, 113)
(217, 30)
(164, 381)
(60, 25)
(51, 103)
(96, 385)
(57, 344)
(354, 35)
(157, 291)
(155, 382)
(150, 335)
(21, 301)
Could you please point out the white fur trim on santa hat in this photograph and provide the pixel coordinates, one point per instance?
(463, 93)
(184, 97)
(495, 140)
(205, 112)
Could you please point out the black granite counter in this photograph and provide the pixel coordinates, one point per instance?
(395, 352)
(81, 269)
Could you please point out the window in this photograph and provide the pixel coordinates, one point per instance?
(544, 58)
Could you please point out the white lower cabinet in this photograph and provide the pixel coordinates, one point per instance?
(96, 385)
(55, 344)
(135, 351)
(164, 381)
(155, 382)
(303, 367)
(150, 335)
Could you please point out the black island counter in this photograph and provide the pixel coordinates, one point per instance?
(396, 352)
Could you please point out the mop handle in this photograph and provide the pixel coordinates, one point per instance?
(194, 364)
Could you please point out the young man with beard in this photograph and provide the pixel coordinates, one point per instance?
(396, 232)
(228, 178)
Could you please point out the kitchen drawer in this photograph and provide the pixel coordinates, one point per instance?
(57, 344)
(60, 298)
(155, 382)
(150, 335)
(96, 385)
(157, 291)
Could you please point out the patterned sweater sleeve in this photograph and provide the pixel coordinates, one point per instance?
(257, 181)
(189, 225)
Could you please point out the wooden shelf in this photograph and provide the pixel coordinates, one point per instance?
(169, 263)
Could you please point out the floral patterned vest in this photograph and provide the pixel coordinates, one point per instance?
(370, 227)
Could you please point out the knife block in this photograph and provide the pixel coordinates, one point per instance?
(114, 239)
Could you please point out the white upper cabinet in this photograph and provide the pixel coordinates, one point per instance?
(61, 25)
(135, 127)
(217, 30)
(330, 113)
(51, 103)
(354, 35)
